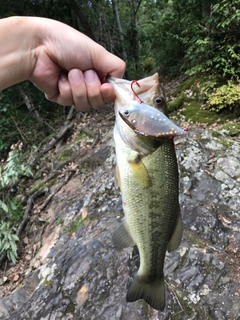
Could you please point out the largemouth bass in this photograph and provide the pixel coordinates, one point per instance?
(147, 173)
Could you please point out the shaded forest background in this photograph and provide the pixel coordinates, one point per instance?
(199, 40)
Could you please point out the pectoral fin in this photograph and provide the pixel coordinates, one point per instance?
(139, 172)
(117, 181)
(175, 241)
(121, 237)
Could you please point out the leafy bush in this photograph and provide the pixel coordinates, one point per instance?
(8, 241)
(11, 209)
(225, 96)
(14, 169)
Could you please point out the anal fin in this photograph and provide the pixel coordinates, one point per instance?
(175, 241)
(121, 237)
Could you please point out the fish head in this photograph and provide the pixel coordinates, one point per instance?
(149, 121)
(141, 111)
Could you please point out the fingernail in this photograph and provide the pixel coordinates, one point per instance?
(75, 76)
(90, 76)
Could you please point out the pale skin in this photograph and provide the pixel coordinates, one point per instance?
(63, 63)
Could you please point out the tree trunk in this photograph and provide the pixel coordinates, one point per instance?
(120, 30)
(83, 20)
(135, 5)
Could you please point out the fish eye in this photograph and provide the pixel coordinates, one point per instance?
(159, 101)
(126, 113)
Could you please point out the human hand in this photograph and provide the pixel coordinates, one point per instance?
(70, 67)
(63, 63)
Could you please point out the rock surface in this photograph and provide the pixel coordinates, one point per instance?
(78, 274)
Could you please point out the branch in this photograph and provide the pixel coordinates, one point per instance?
(61, 133)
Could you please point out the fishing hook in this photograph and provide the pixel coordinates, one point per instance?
(135, 81)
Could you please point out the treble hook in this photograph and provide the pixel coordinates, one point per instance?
(135, 81)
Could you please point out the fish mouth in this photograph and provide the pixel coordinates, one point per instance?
(126, 90)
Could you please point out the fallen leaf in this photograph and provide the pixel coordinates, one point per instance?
(16, 277)
(84, 212)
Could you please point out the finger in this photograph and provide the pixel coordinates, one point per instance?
(93, 89)
(65, 97)
(107, 92)
(79, 90)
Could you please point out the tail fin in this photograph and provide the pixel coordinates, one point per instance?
(152, 292)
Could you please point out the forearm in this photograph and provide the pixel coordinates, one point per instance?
(17, 43)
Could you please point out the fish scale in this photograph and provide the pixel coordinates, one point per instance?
(159, 214)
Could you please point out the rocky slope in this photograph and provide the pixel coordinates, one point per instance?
(78, 274)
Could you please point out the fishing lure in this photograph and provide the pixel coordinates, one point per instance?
(149, 121)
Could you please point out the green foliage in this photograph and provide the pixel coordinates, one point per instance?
(13, 169)
(212, 41)
(75, 225)
(11, 209)
(59, 221)
(224, 97)
(191, 101)
(8, 241)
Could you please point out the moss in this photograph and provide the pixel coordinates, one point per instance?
(70, 309)
(195, 240)
(185, 85)
(84, 134)
(225, 142)
(232, 128)
(66, 154)
(47, 283)
(181, 263)
(194, 113)
(177, 103)
(145, 306)
(89, 219)
(215, 134)
(75, 225)
(192, 105)
(59, 221)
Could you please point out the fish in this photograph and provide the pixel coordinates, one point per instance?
(147, 174)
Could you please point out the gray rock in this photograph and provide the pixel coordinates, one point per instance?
(82, 276)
